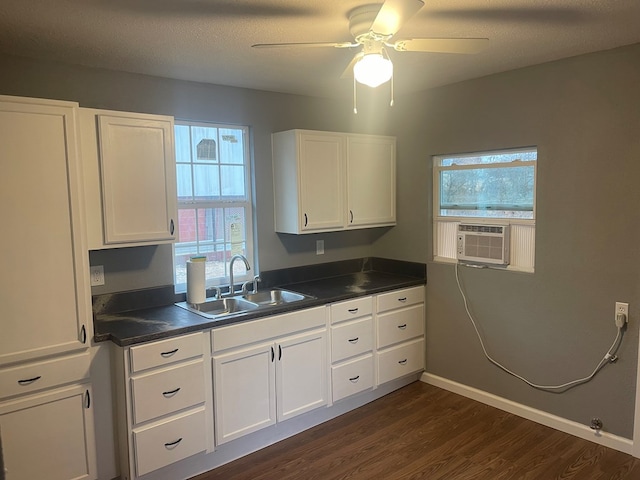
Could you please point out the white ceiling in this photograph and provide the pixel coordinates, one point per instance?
(210, 40)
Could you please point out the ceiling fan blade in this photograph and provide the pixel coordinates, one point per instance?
(442, 45)
(306, 45)
(393, 14)
(348, 72)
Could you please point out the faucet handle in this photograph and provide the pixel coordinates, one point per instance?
(245, 285)
(256, 280)
(218, 292)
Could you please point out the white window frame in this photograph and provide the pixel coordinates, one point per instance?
(445, 228)
(247, 203)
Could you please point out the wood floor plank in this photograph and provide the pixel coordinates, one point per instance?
(424, 432)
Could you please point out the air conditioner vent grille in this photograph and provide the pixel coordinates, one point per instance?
(481, 228)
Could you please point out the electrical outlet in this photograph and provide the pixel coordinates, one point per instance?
(622, 314)
(319, 247)
(97, 275)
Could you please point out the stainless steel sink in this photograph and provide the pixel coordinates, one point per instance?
(274, 297)
(243, 303)
(221, 307)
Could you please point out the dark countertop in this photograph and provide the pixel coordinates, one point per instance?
(148, 324)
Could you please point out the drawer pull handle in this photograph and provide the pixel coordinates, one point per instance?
(29, 381)
(403, 299)
(355, 379)
(353, 310)
(171, 393)
(173, 444)
(354, 340)
(403, 326)
(403, 362)
(169, 353)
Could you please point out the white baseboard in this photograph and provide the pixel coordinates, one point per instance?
(562, 424)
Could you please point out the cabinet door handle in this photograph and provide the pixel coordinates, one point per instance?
(403, 362)
(83, 334)
(173, 444)
(351, 214)
(169, 353)
(403, 326)
(273, 354)
(171, 227)
(87, 402)
(353, 310)
(403, 299)
(305, 220)
(279, 352)
(29, 381)
(355, 379)
(171, 393)
(353, 340)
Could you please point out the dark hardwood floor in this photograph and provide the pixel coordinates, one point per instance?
(423, 432)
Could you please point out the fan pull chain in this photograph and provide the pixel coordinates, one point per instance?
(391, 103)
(355, 107)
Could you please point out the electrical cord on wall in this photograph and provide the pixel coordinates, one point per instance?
(609, 356)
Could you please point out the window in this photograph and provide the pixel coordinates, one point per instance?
(215, 217)
(486, 187)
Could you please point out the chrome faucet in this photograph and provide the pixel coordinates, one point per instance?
(233, 259)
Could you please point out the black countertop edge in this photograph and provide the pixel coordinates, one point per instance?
(159, 322)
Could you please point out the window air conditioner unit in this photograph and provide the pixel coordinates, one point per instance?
(483, 243)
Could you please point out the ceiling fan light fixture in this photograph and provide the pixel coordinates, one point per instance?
(373, 69)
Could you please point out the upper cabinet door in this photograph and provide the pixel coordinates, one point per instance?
(371, 180)
(309, 181)
(45, 274)
(137, 169)
(321, 161)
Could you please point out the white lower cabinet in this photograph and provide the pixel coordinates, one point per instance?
(165, 410)
(400, 327)
(280, 374)
(351, 347)
(49, 435)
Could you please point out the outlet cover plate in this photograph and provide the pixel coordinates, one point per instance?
(96, 273)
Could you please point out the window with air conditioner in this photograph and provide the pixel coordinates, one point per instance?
(485, 202)
(215, 214)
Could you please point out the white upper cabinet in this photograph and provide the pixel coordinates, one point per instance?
(371, 181)
(130, 179)
(45, 273)
(308, 169)
(328, 181)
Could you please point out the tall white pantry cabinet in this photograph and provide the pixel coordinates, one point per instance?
(46, 415)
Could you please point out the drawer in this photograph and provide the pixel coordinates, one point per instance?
(401, 360)
(400, 325)
(35, 376)
(352, 377)
(351, 339)
(165, 352)
(168, 442)
(263, 329)
(167, 391)
(358, 307)
(400, 298)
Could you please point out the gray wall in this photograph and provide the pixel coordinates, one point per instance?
(556, 324)
(553, 325)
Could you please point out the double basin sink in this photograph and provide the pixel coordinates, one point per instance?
(247, 302)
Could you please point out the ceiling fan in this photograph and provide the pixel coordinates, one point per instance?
(373, 28)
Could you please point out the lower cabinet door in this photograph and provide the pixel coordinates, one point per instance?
(161, 444)
(352, 377)
(301, 374)
(400, 360)
(49, 436)
(244, 391)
